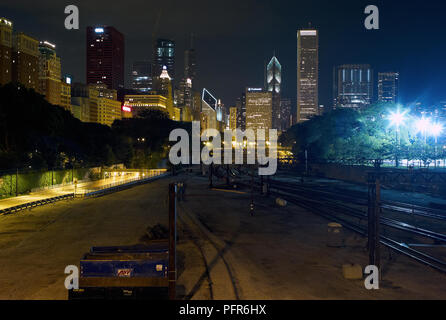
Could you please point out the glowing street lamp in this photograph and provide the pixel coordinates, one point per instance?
(397, 119)
(435, 129)
(423, 125)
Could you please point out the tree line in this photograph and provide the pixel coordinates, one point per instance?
(36, 134)
(358, 136)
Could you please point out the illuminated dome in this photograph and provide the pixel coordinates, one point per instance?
(165, 74)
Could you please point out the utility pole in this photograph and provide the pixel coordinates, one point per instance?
(306, 162)
(374, 205)
(211, 167)
(172, 275)
(267, 185)
(251, 206)
(261, 185)
(227, 174)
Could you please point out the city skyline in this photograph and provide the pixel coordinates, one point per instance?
(347, 37)
(241, 150)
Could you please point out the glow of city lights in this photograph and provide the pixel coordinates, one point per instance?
(435, 129)
(397, 118)
(422, 125)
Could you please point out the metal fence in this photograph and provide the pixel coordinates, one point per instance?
(34, 204)
(118, 186)
(100, 191)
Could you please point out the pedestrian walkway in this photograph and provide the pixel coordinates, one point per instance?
(71, 188)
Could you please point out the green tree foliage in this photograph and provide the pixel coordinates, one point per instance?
(358, 136)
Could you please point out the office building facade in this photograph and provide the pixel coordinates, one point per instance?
(80, 107)
(49, 73)
(25, 61)
(103, 109)
(163, 56)
(5, 51)
(190, 64)
(232, 118)
(65, 95)
(138, 103)
(105, 56)
(258, 109)
(388, 87)
(307, 74)
(353, 86)
(286, 118)
(240, 104)
(142, 76)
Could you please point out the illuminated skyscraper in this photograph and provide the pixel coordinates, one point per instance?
(232, 118)
(388, 83)
(5, 51)
(184, 97)
(65, 95)
(138, 103)
(105, 56)
(142, 76)
(353, 86)
(104, 108)
(25, 61)
(258, 109)
(190, 64)
(163, 86)
(307, 74)
(163, 55)
(273, 83)
(241, 111)
(49, 73)
(209, 105)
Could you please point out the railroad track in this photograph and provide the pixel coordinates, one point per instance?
(332, 205)
(332, 210)
(360, 198)
(201, 232)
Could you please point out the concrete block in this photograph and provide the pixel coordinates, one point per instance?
(280, 202)
(352, 271)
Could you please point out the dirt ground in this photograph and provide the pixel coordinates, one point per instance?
(223, 251)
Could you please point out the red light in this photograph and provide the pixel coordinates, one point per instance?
(126, 109)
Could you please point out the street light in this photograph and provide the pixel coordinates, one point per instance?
(397, 119)
(435, 130)
(422, 126)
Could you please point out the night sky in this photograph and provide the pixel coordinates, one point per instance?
(233, 38)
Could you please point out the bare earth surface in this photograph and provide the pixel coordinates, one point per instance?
(223, 252)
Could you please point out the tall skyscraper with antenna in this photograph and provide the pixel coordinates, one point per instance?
(307, 74)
